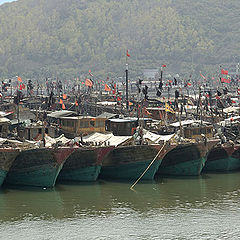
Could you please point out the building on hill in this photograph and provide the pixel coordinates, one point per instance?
(150, 74)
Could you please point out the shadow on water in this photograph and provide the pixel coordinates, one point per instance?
(104, 198)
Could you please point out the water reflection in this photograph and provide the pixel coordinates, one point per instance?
(105, 198)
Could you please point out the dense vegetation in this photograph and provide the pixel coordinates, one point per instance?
(66, 38)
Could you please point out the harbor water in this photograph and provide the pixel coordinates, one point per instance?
(205, 207)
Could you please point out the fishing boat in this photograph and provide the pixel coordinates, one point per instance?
(84, 164)
(187, 159)
(7, 156)
(189, 156)
(38, 167)
(129, 162)
(224, 157)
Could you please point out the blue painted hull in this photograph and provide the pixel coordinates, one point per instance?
(3, 175)
(41, 176)
(86, 174)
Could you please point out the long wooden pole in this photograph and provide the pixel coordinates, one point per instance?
(151, 162)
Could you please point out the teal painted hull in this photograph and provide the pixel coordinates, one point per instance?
(43, 176)
(131, 171)
(224, 164)
(86, 174)
(3, 175)
(187, 168)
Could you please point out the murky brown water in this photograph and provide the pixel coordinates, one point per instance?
(207, 207)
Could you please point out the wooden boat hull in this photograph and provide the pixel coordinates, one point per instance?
(7, 157)
(84, 164)
(129, 162)
(186, 159)
(38, 167)
(223, 158)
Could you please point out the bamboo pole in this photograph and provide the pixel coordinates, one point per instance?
(151, 162)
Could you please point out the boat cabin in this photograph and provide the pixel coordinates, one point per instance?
(125, 127)
(195, 132)
(36, 132)
(194, 129)
(81, 125)
(4, 127)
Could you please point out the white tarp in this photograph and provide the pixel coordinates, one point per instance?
(106, 139)
(155, 138)
(231, 109)
(61, 139)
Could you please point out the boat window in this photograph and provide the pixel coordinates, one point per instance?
(39, 131)
(195, 131)
(92, 123)
(83, 124)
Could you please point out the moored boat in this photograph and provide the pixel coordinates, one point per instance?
(129, 162)
(7, 156)
(187, 159)
(224, 157)
(84, 164)
(38, 167)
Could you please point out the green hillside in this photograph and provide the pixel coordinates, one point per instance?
(66, 38)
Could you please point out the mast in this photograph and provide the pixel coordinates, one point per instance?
(127, 103)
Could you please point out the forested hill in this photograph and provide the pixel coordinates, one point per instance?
(45, 38)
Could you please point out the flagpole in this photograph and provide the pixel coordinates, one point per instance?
(127, 103)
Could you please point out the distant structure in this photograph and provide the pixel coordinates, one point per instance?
(150, 74)
(234, 70)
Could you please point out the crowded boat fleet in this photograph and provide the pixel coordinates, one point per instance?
(88, 130)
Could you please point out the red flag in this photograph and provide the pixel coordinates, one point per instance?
(88, 83)
(224, 72)
(114, 91)
(60, 101)
(233, 101)
(107, 88)
(225, 80)
(63, 106)
(90, 73)
(118, 99)
(202, 76)
(64, 96)
(164, 65)
(189, 84)
(128, 55)
(22, 86)
(76, 103)
(19, 79)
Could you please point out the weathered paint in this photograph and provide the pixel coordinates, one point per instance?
(129, 162)
(131, 171)
(3, 175)
(38, 167)
(84, 164)
(225, 157)
(86, 174)
(187, 159)
(42, 176)
(7, 156)
(187, 168)
(223, 164)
